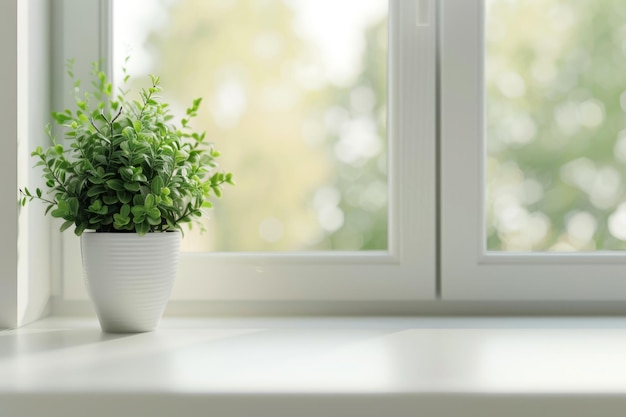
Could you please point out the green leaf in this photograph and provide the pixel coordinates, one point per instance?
(120, 220)
(80, 229)
(66, 225)
(137, 126)
(153, 221)
(96, 190)
(156, 186)
(140, 218)
(95, 207)
(131, 186)
(124, 197)
(138, 200)
(115, 184)
(149, 201)
(101, 158)
(154, 213)
(138, 211)
(62, 210)
(129, 133)
(110, 199)
(139, 178)
(125, 210)
(126, 173)
(73, 206)
(142, 228)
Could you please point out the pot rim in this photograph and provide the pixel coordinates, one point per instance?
(91, 235)
(95, 232)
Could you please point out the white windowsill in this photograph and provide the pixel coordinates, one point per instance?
(318, 367)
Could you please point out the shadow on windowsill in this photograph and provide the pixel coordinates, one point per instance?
(22, 343)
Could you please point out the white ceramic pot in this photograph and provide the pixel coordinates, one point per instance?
(130, 277)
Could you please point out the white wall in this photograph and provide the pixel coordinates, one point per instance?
(8, 163)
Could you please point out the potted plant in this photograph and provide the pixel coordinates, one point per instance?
(126, 178)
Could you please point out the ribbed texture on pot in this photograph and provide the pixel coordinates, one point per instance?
(130, 277)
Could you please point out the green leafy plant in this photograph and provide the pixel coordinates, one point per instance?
(125, 166)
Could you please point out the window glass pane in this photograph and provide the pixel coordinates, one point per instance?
(294, 98)
(556, 125)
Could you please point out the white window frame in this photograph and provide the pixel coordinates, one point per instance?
(469, 271)
(405, 272)
(25, 262)
(401, 280)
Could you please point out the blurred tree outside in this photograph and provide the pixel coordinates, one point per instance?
(556, 125)
(308, 154)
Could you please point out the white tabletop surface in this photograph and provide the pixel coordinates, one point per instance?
(318, 366)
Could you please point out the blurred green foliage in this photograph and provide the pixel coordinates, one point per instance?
(280, 135)
(556, 82)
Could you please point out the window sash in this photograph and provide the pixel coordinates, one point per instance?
(468, 271)
(406, 271)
